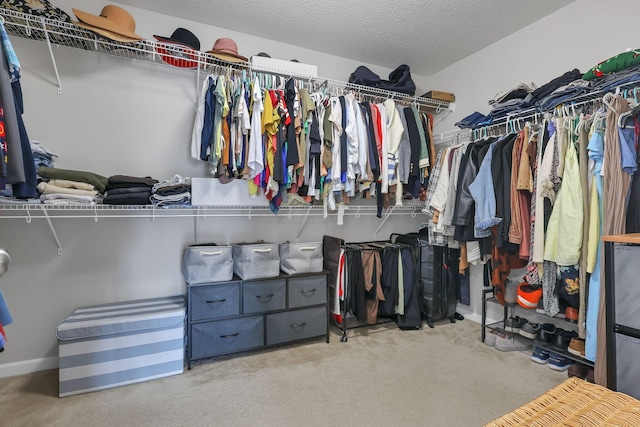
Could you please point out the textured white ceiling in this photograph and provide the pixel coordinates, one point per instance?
(428, 35)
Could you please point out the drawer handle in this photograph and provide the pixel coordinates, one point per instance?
(308, 248)
(264, 296)
(204, 253)
(310, 291)
(230, 335)
(266, 250)
(213, 301)
(298, 325)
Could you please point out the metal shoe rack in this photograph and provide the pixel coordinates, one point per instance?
(500, 326)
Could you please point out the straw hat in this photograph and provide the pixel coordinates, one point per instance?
(114, 23)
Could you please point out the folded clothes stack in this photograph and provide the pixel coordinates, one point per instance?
(42, 156)
(70, 187)
(128, 190)
(173, 192)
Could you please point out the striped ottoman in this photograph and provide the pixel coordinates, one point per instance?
(110, 345)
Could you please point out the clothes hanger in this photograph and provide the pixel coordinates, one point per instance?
(607, 98)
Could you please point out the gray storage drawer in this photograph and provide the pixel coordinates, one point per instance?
(226, 336)
(215, 301)
(296, 325)
(627, 367)
(306, 291)
(627, 289)
(258, 297)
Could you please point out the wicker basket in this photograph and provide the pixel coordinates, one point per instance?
(575, 403)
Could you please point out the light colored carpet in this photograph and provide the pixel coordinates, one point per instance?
(381, 377)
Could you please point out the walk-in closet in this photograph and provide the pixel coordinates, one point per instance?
(369, 213)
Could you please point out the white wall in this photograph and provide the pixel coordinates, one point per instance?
(577, 36)
(117, 116)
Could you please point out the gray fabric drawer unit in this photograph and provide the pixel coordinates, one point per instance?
(215, 301)
(242, 315)
(259, 297)
(306, 291)
(296, 325)
(227, 336)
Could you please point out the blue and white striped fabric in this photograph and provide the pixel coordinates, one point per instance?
(121, 343)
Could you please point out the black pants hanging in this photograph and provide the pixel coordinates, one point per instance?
(389, 282)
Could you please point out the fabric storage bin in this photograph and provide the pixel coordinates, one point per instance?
(256, 260)
(207, 263)
(301, 257)
(116, 344)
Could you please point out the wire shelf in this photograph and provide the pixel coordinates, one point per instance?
(34, 210)
(171, 55)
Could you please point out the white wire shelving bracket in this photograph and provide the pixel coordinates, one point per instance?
(61, 33)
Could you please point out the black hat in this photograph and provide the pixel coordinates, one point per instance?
(181, 36)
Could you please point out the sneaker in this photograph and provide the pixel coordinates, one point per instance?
(576, 346)
(558, 362)
(530, 330)
(578, 370)
(513, 324)
(511, 292)
(540, 308)
(540, 355)
(509, 343)
(490, 337)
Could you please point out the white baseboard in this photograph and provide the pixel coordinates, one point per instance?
(28, 366)
(475, 317)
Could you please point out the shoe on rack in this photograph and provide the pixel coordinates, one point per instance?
(530, 330)
(558, 362)
(509, 343)
(513, 324)
(571, 315)
(578, 370)
(540, 355)
(490, 337)
(563, 339)
(547, 332)
(529, 296)
(540, 307)
(510, 292)
(576, 346)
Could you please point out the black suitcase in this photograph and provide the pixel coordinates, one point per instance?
(436, 280)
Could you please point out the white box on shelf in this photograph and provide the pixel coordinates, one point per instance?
(271, 64)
